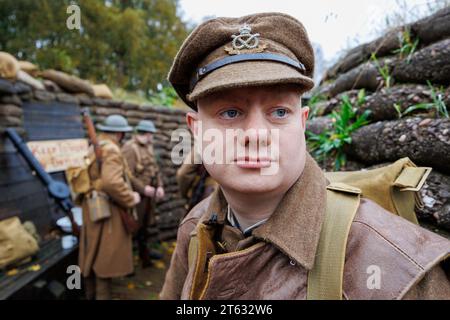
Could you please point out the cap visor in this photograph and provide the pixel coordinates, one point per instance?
(249, 73)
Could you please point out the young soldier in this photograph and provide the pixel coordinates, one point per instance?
(258, 234)
(105, 246)
(147, 181)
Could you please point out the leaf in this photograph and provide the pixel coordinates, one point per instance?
(12, 272)
(361, 96)
(34, 268)
(420, 106)
(160, 265)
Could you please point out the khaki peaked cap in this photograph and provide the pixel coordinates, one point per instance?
(259, 49)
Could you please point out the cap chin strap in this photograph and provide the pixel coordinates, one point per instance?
(203, 71)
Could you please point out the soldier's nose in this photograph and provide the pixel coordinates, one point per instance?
(257, 129)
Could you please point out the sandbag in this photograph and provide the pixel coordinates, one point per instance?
(51, 86)
(28, 67)
(15, 242)
(102, 91)
(11, 121)
(10, 110)
(68, 82)
(8, 66)
(28, 79)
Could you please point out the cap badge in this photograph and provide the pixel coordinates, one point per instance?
(245, 42)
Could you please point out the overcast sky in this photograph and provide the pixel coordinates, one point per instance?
(334, 24)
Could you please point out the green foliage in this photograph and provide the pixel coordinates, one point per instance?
(398, 108)
(164, 97)
(438, 104)
(383, 70)
(408, 46)
(126, 44)
(344, 122)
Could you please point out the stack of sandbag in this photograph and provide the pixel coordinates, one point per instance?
(68, 83)
(11, 114)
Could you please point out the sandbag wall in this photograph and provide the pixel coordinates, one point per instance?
(21, 192)
(420, 77)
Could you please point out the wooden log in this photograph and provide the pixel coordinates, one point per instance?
(436, 198)
(425, 141)
(382, 46)
(381, 103)
(433, 28)
(319, 124)
(364, 76)
(430, 63)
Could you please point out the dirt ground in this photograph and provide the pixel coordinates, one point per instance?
(144, 284)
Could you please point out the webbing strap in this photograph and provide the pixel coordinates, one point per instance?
(406, 185)
(325, 279)
(412, 178)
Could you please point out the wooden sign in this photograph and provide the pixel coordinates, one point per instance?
(58, 155)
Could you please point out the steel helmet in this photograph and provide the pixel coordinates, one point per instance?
(115, 123)
(146, 126)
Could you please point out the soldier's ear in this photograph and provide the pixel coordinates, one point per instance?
(304, 112)
(192, 122)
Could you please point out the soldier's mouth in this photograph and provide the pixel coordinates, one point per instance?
(253, 163)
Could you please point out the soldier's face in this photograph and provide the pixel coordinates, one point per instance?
(252, 138)
(145, 137)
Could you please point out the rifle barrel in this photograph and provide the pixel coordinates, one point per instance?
(29, 157)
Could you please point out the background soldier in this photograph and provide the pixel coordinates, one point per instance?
(194, 181)
(105, 246)
(147, 181)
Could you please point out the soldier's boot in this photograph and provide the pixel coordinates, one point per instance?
(89, 287)
(103, 289)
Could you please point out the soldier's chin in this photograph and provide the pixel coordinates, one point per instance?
(251, 183)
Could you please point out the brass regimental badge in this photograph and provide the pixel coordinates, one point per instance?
(245, 42)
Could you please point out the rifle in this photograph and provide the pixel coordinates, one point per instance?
(92, 137)
(56, 189)
(199, 188)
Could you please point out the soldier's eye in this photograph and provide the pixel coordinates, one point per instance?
(280, 113)
(229, 114)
